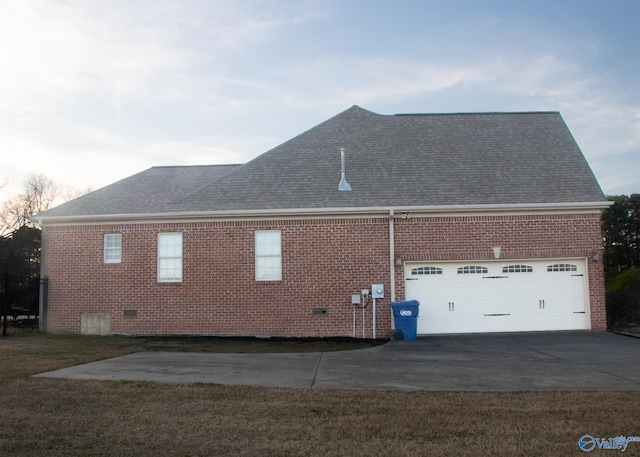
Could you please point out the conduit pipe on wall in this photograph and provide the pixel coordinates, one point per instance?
(392, 264)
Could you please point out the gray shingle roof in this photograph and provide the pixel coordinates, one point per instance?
(391, 161)
(148, 192)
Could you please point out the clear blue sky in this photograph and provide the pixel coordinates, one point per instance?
(94, 91)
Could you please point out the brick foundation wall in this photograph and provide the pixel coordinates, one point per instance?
(324, 262)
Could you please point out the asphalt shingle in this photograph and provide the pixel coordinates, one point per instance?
(391, 161)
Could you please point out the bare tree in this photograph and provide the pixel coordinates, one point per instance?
(70, 193)
(38, 195)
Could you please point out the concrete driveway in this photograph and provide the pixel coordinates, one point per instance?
(487, 362)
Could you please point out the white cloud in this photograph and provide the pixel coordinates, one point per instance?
(74, 76)
(54, 52)
(91, 92)
(213, 150)
(36, 57)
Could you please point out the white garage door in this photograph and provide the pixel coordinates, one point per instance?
(498, 296)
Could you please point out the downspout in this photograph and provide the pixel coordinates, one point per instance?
(392, 265)
(42, 299)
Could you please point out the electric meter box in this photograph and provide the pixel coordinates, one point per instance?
(377, 291)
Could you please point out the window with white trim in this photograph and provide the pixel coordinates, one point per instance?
(112, 248)
(517, 269)
(562, 267)
(472, 270)
(426, 271)
(268, 255)
(170, 257)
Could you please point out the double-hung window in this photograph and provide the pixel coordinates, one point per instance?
(112, 248)
(268, 255)
(169, 257)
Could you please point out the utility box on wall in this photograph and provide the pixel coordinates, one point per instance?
(377, 291)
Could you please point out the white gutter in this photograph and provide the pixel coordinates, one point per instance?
(392, 265)
(374, 210)
(392, 255)
(43, 262)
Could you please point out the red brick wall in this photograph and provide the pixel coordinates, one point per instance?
(520, 237)
(219, 294)
(324, 263)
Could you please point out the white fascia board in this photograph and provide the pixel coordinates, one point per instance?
(294, 213)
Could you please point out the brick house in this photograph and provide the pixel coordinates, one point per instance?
(490, 220)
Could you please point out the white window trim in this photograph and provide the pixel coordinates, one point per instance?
(112, 252)
(561, 267)
(426, 271)
(163, 277)
(473, 270)
(264, 252)
(517, 268)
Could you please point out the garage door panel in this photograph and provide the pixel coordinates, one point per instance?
(445, 325)
(495, 323)
(564, 295)
(499, 296)
(444, 322)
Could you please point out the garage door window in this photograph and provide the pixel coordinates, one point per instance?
(562, 267)
(426, 271)
(517, 269)
(473, 270)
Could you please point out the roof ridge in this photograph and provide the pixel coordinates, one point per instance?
(200, 165)
(477, 113)
(275, 150)
(444, 159)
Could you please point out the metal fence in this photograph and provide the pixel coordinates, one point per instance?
(20, 301)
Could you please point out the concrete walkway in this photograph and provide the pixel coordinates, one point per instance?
(488, 362)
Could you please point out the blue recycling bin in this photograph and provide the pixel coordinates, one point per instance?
(405, 317)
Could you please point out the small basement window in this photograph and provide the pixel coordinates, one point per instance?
(517, 269)
(562, 267)
(473, 270)
(426, 271)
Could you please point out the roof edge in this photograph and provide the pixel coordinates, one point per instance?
(302, 212)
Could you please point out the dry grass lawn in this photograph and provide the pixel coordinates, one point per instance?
(49, 417)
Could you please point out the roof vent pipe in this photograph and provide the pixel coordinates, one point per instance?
(343, 185)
